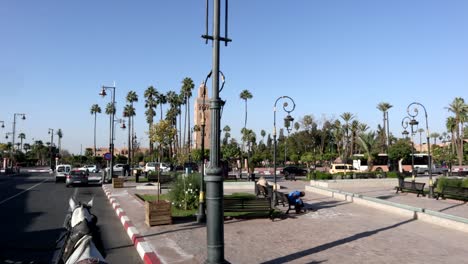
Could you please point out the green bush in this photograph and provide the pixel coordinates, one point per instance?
(319, 175)
(392, 174)
(452, 182)
(185, 191)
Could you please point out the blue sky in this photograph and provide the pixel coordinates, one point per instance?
(331, 57)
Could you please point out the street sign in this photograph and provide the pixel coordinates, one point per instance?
(107, 156)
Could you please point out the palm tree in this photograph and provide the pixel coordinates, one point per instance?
(175, 102)
(435, 135)
(186, 92)
(460, 109)
(94, 110)
(129, 112)
(245, 95)
(150, 105)
(368, 142)
(347, 117)
(227, 134)
(21, 136)
(160, 100)
(131, 98)
(384, 107)
(451, 126)
(60, 135)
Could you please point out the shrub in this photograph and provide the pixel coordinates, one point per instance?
(444, 181)
(392, 174)
(185, 191)
(319, 175)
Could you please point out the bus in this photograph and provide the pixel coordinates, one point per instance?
(420, 162)
(380, 163)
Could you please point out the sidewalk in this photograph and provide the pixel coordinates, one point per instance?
(334, 232)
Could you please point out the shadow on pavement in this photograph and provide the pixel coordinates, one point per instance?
(327, 246)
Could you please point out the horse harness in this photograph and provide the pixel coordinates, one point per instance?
(76, 234)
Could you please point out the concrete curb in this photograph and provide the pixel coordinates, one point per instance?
(423, 214)
(144, 249)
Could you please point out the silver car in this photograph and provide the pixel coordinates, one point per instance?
(76, 177)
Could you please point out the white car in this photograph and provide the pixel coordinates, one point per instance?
(90, 168)
(151, 166)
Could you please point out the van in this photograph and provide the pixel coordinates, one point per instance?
(61, 172)
(341, 168)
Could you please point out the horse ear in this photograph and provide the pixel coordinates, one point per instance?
(72, 203)
(90, 203)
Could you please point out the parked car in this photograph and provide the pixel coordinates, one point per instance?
(292, 171)
(151, 166)
(341, 168)
(61, 171)
(90, 168)
(76, 177)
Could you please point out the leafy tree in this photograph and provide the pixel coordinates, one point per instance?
(400, 150)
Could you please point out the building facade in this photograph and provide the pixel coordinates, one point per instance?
(202, 112)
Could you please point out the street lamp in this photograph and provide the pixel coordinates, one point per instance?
(23, 117)
(405, 133)
(288, 117)
(287, 124)
(413, 114)
(111, 141)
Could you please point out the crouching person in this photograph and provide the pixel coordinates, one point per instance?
(294, 197)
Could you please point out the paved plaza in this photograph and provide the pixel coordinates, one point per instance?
(332, 231)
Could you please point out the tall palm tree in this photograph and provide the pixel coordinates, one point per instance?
(245, 95)
(129, 112)
(59, 134)
(384, 107)
(94, 110)
(161, 99)
(451, 125)
(460, 109)
(110, 110)
(131, 98)
(150, 105)
(186, 92)
(22, 137)
(175, 102)
(347, 117)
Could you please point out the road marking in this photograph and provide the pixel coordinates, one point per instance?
(18, 194)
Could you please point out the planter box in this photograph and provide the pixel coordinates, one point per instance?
(158, 213)
(118, 182)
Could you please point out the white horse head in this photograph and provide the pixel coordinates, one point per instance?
(80, 212)
(84, 248)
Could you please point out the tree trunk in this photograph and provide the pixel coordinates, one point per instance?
(129, 150)
(150, 141)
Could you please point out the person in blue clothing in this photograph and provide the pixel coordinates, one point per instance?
(294, 197)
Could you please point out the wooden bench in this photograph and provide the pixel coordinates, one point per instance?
(460, 193)
(282, 198)
(416, 187)
(249, 206)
